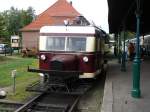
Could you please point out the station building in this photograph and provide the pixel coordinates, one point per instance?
(54, 15)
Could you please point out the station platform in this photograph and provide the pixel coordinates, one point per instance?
(118, 85)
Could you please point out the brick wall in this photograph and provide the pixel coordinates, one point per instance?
(30, 39)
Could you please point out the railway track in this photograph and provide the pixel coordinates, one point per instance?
(54, 98)
(9, 106)
(47, 102)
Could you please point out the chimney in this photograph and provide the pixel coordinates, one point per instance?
(71, 3)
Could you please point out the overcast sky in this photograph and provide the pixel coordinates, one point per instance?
(93, 10)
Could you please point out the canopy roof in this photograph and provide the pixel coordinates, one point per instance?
(123, 11)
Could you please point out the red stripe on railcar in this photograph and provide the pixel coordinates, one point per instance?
(88, 67)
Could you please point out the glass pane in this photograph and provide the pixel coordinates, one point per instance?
(55, 43)
(76, 44)
(14, 40)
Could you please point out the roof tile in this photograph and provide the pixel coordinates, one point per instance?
(54, 15)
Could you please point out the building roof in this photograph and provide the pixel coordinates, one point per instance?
(54, 15)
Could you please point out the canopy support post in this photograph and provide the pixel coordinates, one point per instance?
(136, 92)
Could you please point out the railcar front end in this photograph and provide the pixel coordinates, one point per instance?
(72, 51)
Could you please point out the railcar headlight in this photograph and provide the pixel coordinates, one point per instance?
(85, 59)
(2, 94)
(43, 57)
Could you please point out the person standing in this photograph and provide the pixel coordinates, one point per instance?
(131, 49)
(142, 50)
(115, 50)
(126, 52)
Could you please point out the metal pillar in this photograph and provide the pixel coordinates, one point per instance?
(136, 92)
(116, 45)
(123, 64)
(119, 49)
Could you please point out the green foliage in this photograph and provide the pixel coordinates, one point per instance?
(128, 35)
(11, 21)
(3, 28)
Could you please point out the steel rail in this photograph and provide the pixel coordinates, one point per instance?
(55, 102)
(35, 105)
(28, 104)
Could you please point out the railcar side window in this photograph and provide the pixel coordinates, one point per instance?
(15, 40)
(55, 43)
(76, 44)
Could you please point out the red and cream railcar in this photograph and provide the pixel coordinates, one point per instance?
(71, 51)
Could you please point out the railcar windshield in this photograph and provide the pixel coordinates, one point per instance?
(66, 44)
(55, 43)
(76, 44)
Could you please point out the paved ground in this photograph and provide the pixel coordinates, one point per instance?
(92, 100)
(118, 86)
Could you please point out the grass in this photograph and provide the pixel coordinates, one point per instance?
(3, 58)
(23, 78)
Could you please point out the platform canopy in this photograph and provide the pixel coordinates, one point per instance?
(123, 11)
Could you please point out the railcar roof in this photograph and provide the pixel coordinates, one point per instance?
(15, 37)
(146, 36)
(68, 29)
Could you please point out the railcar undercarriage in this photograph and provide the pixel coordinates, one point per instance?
(60, 82)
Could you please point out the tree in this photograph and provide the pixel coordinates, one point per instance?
(27, 16)
(30, 15)
(3, 28)
(13, 20)
(2, 23)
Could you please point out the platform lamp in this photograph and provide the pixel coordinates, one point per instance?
(136, 92)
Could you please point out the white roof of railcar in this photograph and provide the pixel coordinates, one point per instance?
(68, 29)
(147, 36)
(14, 37)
